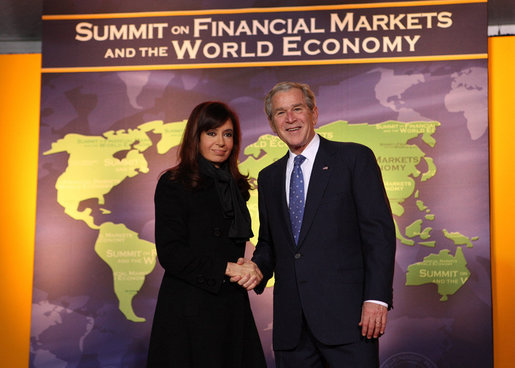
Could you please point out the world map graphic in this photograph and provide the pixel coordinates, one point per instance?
(434, 251)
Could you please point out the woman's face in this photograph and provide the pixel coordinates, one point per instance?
(216, 144)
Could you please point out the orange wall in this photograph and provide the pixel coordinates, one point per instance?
(19, 116)
(19, 129)
(502, 197)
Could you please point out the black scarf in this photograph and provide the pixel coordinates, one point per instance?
(233, 204)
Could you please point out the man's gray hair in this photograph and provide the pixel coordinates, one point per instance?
(309, 96)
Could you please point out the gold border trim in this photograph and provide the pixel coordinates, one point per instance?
(263, 64)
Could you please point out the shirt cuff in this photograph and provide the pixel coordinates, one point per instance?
(378, 302)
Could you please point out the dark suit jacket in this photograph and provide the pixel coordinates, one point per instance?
(346, 249)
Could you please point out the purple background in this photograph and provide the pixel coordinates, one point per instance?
(78, 284)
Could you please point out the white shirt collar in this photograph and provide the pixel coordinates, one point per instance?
(310, 151)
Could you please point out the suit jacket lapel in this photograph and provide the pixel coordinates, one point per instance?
(320, 175)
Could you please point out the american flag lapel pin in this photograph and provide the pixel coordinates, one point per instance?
(325, 168)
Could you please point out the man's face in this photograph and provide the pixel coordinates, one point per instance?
(292, 120)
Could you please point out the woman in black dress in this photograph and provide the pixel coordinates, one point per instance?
(203, 316)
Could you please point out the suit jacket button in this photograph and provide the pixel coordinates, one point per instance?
(297, 255)
(217, 232)
(201, 279)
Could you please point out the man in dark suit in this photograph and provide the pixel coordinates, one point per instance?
(327, 232)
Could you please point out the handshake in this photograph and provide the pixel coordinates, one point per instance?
(245, 272)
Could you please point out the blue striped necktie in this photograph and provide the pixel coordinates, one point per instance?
(296, 197)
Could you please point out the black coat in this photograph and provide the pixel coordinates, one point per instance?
(346, 248)
(201, 319)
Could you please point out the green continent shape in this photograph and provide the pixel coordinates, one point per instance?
(130, 259)
(266, 150)
(401, 237)
(396, 156)
(458, 238)
(97, 164)
(421, 206)
(431, 169)
(426, 233)
(415, 229)
(446, 271)
(171, 133)
(94, 167)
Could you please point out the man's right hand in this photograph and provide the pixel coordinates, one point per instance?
(245, 272)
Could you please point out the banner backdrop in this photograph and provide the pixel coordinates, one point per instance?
(407, 79)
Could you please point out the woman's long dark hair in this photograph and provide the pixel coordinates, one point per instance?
(205, 116)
